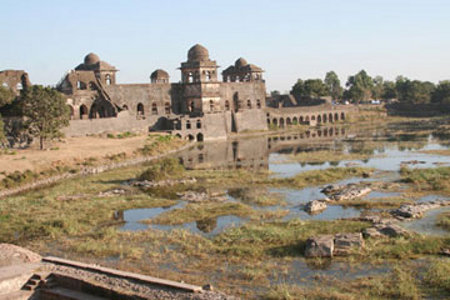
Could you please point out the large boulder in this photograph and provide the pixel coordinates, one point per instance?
(315, 206)
(345, 243)
(346, 192)
(320, 246)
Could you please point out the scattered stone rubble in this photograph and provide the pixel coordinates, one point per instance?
(329, 245)
(415, 211)
(162, 183)
(315, 206)
(346, 192)
(196, 197)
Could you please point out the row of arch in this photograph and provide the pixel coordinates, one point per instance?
(191, 77)
(192, 137)
(320, 118)
(326, 132)
(140, 109)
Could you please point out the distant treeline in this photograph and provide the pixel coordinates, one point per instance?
(362, 87)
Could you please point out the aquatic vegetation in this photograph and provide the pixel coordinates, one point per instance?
(433, 179)
(386, 202)
(443, 220)
(327, 156)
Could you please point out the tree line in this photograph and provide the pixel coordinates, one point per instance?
(362, 87)
(43, 109)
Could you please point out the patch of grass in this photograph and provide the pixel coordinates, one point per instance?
(404, 248)
(195, 212)
(443, 220)
(438, 276)
(387, 202)
(318, 177)
(162, 169)
(279, 239)
(123, 135)
(257, 196)
(433, 179)
(157, 144)
(437, 152)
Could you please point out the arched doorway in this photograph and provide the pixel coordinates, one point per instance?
(140, 109)
(200, 137)
(83, 112)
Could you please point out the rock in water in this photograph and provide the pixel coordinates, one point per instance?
(321, 246)
(315, 206)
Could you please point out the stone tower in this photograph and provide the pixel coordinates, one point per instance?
(201, 90)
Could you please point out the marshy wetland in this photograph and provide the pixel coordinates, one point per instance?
(232, 214)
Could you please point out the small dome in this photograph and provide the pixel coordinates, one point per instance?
(159, 74)
(198, 53)
(91, 59)
(240, 63)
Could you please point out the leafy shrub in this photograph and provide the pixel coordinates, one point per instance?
(162, 169)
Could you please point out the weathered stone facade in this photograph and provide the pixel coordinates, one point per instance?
(199, 107)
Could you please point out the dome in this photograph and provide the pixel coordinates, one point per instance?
(159, 74)
(91, 59)
(240, 63)
(198, 53)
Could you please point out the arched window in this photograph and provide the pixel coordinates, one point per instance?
(336, 117)
(191, 106)
(140, 109)
(227, 105)
(196, 76)
(92, 86)
(190, 137)
(294, 121)
(167, 108)
(190, 77)
(211, 105)
(313, 118)
(83, 112)
(188, 124)
(199, 137)
(301, 119)
(319, 119)
(154, 109)
(125, 107)
(199, 124)
(108, 79)
(208, 76)
(324, 118)
(249, 104)
(281, 122)
(330, 117)
(288, 121)
(275, 122)
(342, 116)
(258, 103)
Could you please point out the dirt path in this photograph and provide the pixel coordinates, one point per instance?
(70, 151)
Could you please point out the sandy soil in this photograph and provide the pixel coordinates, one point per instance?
(70, 151)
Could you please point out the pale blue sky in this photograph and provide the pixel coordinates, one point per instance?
(288, 39)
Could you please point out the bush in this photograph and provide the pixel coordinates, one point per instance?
(162, 169)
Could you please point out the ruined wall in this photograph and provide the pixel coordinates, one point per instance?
(123, 122)
(148, 95)
(252, 93)
(250, 120)
(15, 80)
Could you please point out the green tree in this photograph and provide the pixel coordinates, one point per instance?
(389, 91)
(45, 112)
(298, 89)
(378, 87)
(333, 85)
(414, 91)
(315, 88)
(6, 96)
(275, 93)
(441, 94)
(360, 86)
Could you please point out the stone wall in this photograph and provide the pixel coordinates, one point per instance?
(123, 122)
